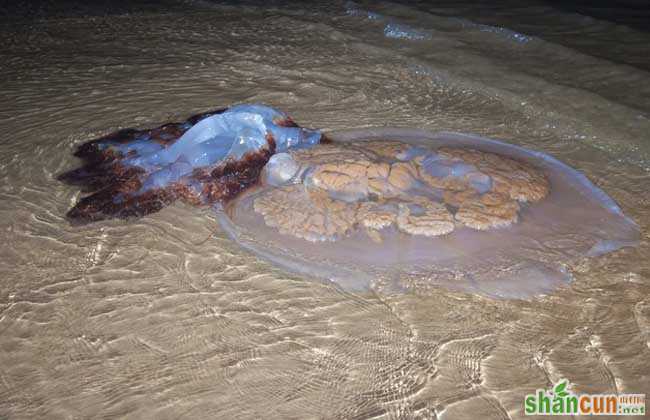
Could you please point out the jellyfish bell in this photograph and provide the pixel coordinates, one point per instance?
(400, 209)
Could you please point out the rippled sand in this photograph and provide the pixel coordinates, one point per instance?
(164, 317)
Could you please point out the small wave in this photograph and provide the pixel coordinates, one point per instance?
(392, 29)
(499, 30)
(508, 33)
(401, 31)
(352, 9)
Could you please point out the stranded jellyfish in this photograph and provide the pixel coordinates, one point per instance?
(208, 158)
(387, 209)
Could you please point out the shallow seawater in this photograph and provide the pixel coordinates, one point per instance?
(165, 317)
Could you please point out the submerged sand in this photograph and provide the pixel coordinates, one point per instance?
(164, 317)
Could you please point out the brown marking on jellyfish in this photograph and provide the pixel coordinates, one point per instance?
(123, 136)
(167, 134)
(187, 194)
(117, 187)
(286, 122)
(98, 170)
(325, 140)
(93, 152)
(117, 181)
(123, 201)
(232, 177)
(94, 178)
(203, 115)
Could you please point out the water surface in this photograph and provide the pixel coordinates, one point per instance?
(164, 317)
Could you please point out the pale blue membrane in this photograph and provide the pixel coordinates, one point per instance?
(212, 141)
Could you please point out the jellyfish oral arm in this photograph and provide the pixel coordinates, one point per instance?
(206, 158)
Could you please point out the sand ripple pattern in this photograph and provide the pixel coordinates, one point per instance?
(165, 318)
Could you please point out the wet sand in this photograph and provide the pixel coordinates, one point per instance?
(165, 317)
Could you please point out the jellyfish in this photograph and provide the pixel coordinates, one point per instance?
(399, 209)
(208, 158)
(390, 210)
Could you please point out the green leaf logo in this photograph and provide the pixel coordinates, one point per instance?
(559, 390)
